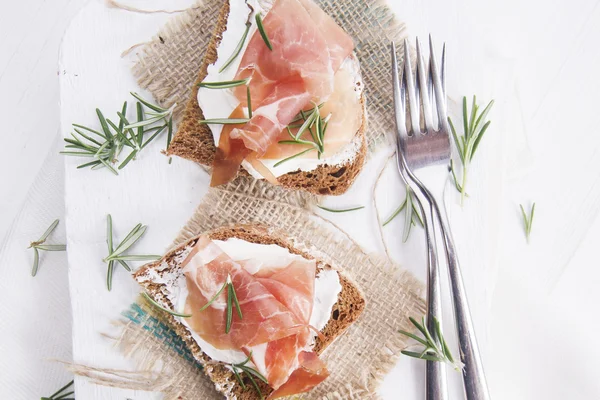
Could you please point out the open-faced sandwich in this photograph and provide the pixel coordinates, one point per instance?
(255, 311)
(280, 96)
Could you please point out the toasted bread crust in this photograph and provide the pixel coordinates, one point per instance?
(346, 310)
(194, 141)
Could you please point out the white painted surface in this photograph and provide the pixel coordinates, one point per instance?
(533, 304)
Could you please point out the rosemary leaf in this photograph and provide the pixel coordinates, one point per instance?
(48, 231)
(52, 247)
(130, 157)
(334, 210)
(237, 49)
(148, 104)
(224, 84)
(212, 300)
(252, 371)
(261, 30)
(249, 101)
(527, 220)
(409, 216)
(395, 213)
(124, 265)
(292, 157)
(155, 304)
(229, 308)
(109, 275)
(36, 262)
(225, 121)
(239, 378)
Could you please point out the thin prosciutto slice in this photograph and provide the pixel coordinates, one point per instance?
(264, 318)
(309, 374)
(308, 48)
(276, 304)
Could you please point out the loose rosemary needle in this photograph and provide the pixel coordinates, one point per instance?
(527, 220)
(412, 213)
(116, 254)
(434, 345)
(40, 245)
(340, 210)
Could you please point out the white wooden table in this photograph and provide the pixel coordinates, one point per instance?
(534, 304)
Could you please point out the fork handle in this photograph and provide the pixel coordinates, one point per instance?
(435, 372)
(475, 383)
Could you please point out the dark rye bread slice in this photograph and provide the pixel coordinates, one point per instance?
(347, 309)
(194, 141)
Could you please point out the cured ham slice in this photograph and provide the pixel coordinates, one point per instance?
(309, 374)
(308, 48)
(264, 320)
(276, 304)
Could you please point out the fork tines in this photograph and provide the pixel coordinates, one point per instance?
(424, 91)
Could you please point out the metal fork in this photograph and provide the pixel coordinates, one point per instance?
(428, 150)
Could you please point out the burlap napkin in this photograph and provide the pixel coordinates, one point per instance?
(359, 360)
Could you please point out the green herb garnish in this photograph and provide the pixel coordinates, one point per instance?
(261, 30)
(337, 210)
(250, 372)
(231, 301)
(435, 346)
(224, 84)
(116, 255)
(240, 45)
(249, 101)
(278, 163)
(155, 304)
(412, 213)
(62, 394)
(105, 145)
(527, 220)
(474, 127)
(39, 245)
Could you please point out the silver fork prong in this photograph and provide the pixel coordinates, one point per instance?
(399, 109)
(443, 73)
(423, 75)
(413, 108)
(440, 94)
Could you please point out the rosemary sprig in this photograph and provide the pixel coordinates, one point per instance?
(39, 245)
(435, 346)
(250, 372)
(527, 220)
(278, 163)
(224, 84)
(337, 210)
(232, 300)
(105, 145)
(412, 213)
(116, 254)
(62, 394)
(474, 126)
(225, 121)
(261, 30)
(155, 304)
(310, 119)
